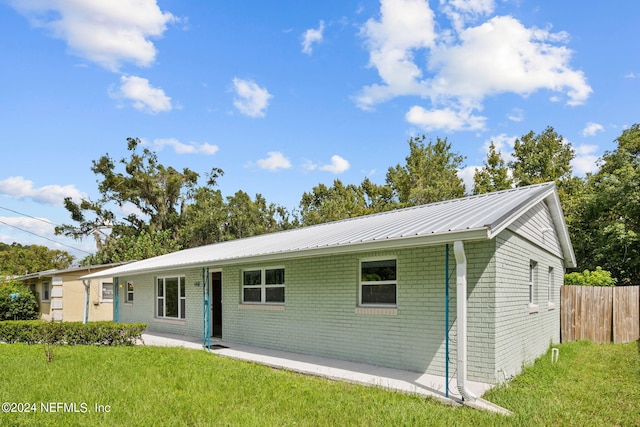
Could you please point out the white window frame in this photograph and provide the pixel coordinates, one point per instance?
(263, 286)
(533, 270)
(550, 304)
(129, 292)
(102, 298)
(381, 282)
(45, 287)
(181, 297)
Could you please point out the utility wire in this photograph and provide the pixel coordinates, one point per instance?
(29, 216)
(37, 235)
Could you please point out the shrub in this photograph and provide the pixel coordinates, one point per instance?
(599, 277)
(17, 302)
(71, 333)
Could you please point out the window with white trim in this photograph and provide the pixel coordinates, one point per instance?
(532, 275)
(171, 300)
(378, 282)
(263, 286)
(106, 291)
(129, 297)
(46, 292)
(550, 285)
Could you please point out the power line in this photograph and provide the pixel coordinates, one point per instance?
(29, 216)
(46, 238)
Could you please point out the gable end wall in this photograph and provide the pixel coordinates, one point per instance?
(523, 333)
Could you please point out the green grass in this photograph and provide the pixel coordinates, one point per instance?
(590, 385)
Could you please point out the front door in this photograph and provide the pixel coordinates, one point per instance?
(216, 304)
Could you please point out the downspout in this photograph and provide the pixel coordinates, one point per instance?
(87, 290)
(446, 319)
(206, 311)
(461, 301)
(116, 300)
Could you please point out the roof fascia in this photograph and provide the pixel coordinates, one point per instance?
(553, 201)
(514, 215)
(550, 196)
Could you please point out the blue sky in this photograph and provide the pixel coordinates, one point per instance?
(284, 95)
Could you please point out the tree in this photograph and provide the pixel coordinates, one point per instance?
(131, 247)
(325, 204)
(158, 195)
(246, 217)
(611, 211)
(429, 175)
(204, 220)
(494, 175)
(542, 158)
(17, 260)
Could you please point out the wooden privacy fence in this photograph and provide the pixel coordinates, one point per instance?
(600, 314)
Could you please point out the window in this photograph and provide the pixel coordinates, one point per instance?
(129, 292)
(45, 291)
(106, 292)
(171, 301)
(264, 286)
(533, 307)
(532, 268)
(378, 282)
(550, 285)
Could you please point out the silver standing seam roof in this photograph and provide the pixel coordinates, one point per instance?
(477, 217)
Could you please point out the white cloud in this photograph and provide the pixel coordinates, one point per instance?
(503, 144)
(108, 33)
(251, 99)
(182, 148)
(20, 188)
(35, 225)
(312, 36)
(337, 166)
(144, 97)
(309, 166)
(516, 115)
(592, 128)
(501, 56)
(447, 119)
(585, 160)
(275, 161)
(632, 75)
(460, 12)
(467, 174)
(464, 66)
(404, 26)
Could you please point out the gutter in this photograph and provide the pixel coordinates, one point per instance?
(461, 302)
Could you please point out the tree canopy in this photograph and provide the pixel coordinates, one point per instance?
(19, 260)
(605, 219)
(169, 209)
(324, 204)
(494, 174)
(429, 175)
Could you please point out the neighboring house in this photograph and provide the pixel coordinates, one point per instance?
(62, 295)
(374, 289)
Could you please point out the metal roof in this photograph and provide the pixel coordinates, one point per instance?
(469, 218)
(54, 272)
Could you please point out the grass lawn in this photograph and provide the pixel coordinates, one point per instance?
(151, 386)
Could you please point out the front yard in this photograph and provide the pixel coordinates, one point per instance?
(138, 386)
